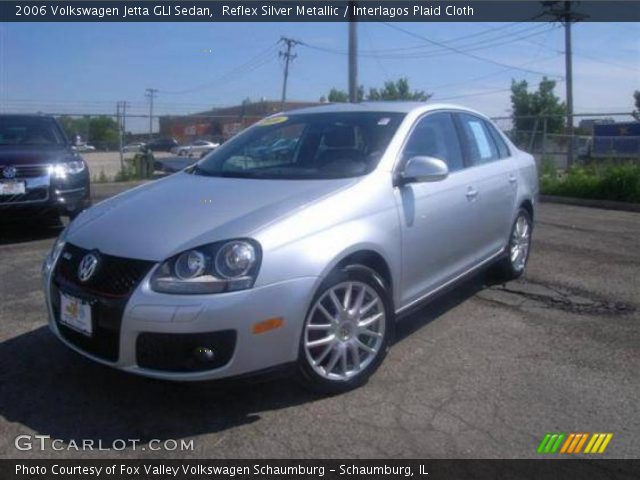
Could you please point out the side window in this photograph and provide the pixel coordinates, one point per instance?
(503, 150)
(480, 146)
(435, 136)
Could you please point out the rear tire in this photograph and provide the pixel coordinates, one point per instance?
(518, 248)
(341, 347)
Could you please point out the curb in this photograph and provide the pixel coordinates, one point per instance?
(592, 203)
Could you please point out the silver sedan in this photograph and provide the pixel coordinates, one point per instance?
(259, 257)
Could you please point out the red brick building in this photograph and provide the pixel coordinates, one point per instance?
(222, 123)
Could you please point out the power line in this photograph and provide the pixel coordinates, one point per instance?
(259, 60)
(396, 53)
(467, 54)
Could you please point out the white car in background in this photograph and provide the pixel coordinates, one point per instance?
(133, 147)
(84, 147)
(197, 147)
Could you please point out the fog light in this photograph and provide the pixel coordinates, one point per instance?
(204, 354)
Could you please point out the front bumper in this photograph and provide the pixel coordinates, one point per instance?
(44, 194)
(227, 317)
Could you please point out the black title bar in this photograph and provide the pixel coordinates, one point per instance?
(319, 469)
(308, 11)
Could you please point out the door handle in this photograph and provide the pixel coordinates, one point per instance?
(512, 179)
(472, 193)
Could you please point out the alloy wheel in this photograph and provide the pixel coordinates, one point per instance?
(345, 330)
(520, 243)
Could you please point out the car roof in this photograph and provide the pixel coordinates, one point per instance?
(387, 107)
(26, 115)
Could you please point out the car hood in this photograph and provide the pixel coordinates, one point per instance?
(163, 218)
(25, 155)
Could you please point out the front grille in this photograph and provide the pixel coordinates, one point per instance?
(174, 352)
(106, 315)
(28, 171)
(114, 276)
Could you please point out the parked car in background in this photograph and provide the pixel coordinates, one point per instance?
(133, 147)
(198, 147)
(163, 144)
(251, 260)
(40, 173)
(84, 147)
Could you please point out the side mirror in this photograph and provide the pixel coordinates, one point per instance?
(422, 169)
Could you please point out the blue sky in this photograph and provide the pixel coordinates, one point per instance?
(87, 67)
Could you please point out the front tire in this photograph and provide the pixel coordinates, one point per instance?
(347, 331)
(518, 248)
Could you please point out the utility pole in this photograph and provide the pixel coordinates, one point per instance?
(119, 120)
(151, 93)
(566, 17)
(288, 57)
(121, 112)
(353, 54)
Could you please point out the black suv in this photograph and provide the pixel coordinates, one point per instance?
(162, 144)
(40, 173)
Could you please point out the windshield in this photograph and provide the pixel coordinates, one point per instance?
(30, 131)
(305, 146)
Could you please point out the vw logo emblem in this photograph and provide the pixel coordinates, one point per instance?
(9, 172)
(88, 266)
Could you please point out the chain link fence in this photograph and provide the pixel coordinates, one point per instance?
(109, 142)
(611, 137)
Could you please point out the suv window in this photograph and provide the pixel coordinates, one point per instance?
(435, 136)
(480, 145)
(503, 150)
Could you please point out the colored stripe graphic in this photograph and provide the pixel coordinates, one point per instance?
(572, 443)
(598, 443)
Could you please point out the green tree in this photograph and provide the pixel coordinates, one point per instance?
(337, 96)
(527, 106)
(74, 126)
(398, 90)
(103, 131)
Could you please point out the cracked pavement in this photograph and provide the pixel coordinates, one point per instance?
(483, 372)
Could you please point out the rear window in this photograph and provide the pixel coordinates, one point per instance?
(30, 131)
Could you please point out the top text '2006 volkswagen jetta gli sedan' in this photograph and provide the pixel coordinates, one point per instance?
(298, 242)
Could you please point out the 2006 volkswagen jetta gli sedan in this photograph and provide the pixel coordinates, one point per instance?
(297, 243)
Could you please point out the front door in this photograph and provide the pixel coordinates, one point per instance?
(438, 238)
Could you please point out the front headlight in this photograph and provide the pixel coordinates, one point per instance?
(62, 170)
(214, 268)
(52, 257)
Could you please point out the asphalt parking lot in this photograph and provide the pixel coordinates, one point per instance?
(484, 371)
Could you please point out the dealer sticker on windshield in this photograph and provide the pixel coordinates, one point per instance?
(273, 121)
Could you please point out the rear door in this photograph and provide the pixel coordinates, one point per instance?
(493, 183)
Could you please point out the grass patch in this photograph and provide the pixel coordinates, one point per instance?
(605, 181)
